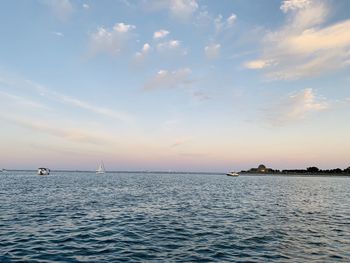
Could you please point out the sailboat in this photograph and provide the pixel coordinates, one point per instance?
(101, 169)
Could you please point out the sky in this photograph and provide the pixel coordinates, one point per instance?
(180, 85)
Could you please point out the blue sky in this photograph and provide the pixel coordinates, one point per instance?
(174, 84)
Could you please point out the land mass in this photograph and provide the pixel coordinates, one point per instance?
(262, 169)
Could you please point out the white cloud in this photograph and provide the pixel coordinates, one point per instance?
(146, 49)
(59, 34)
(169, 46)
(291, 5)
(123, 28)
(212, 51)
(86, 6)
(160, 34)
(169, 79)
(181, 9)
(218, 23)
(61, 131)
(61, 8)
(14, 99)
(296, 107)
(43, 91)
(44, 96)
(231, 19)
(221, 24)
(93, 108)
(258, 64)
(303, 47)
(203, 18)
(110, 40)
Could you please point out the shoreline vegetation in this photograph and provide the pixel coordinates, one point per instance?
(309, 171)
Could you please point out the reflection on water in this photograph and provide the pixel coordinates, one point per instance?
(82, 217)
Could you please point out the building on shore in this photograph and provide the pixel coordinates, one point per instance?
(262, 169)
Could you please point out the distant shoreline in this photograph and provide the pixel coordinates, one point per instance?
(111, 171)
(207, 173)
(296, 174)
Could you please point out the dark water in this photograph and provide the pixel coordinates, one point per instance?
(82, 217)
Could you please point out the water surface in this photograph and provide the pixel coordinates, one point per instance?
(84, 217)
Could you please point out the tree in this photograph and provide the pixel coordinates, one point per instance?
(312, 169)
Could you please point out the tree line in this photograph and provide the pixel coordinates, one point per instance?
(308, 170)
(316, 170)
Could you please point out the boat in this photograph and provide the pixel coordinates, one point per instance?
(232, 174)
(101, 169)
(43, 171)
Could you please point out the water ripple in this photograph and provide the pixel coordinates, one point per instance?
(81, 217)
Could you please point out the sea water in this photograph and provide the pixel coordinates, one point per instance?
(154, 217)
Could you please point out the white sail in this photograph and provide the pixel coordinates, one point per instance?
(101, 169)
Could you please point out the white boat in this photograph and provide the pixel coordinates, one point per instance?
(232, 174)
(101, 169)
(43, 171)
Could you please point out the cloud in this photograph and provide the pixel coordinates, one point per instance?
(160, 34)
(221, 24)
(200, 96)
(180, 141)
(231, 20)
(146, 49)
(258, 64)
(63, 9)
(171, 44)
(180, 9)
(123, 28)
(169, 79)
(86, 6)
(291, 5)
(96, 109)
(61, 131)
(183, 8)
(46, 94)
(304, 46)
(112, 40)
(296, 107)
(59, 34)
(212, 51)
(171, 47)
(14, 99)
(43, 91)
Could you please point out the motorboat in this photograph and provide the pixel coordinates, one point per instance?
(43, 171)
(232, 174)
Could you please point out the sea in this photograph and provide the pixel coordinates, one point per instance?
(173, 217)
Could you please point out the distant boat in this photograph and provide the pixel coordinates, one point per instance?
(232, 174)
(43, 171)
(101, 169)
